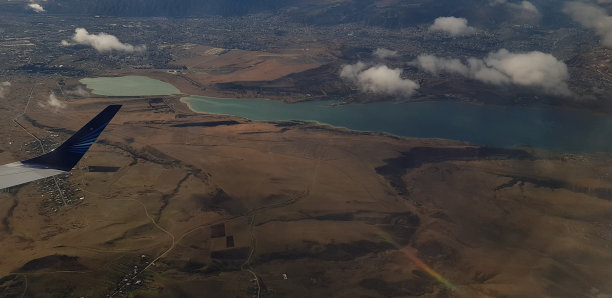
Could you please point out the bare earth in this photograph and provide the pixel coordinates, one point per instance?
(203, 203)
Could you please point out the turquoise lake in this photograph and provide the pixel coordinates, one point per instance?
(128, 86)
(552, 129)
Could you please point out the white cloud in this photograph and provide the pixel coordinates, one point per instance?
(453, 26)
(437, 65)
(384, 53)
(532, 69)
(528, 6)
(78, 91)
(593, 17)
(378, 79)
(351, 71)
(53, 103)
(4, 89)
(36, 7)
(523, 5)
(102, 42)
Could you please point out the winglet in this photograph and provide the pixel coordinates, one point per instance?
(67, 155)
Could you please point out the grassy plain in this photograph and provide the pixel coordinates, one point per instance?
(338, 212)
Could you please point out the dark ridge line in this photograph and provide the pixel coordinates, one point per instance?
(5, 221)
(514, 181)
(292, 123)
(351, 216)
(396, 168)
(126, 149)
(55, 261)
(547, 183)
(329, 252)
(112, 241)
(172, 163)
(127, 233)
(264, 132)
(166, 197)
(600, 193)
(135, 155)
(207, 124)
(49, 128)
(102, 169)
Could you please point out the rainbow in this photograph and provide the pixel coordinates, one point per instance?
(430, 271)
(420, 263)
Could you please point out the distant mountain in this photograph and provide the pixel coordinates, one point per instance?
(402, 13)
(175, 8)
(384, 13)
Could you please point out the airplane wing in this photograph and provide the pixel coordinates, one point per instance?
(62, 159)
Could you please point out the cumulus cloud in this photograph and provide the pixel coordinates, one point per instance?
(78, 91)
(452, 25)
(523, 5)
(36, 7)
(378, 79)
(532, 69)
(53, 103)
(102, 42)
(4, 89)
(528, 6)
(385, 53)
(593, 17)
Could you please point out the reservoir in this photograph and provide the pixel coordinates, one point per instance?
(128, 86)
(485, 125)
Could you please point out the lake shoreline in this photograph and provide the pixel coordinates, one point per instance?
(481, 125)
